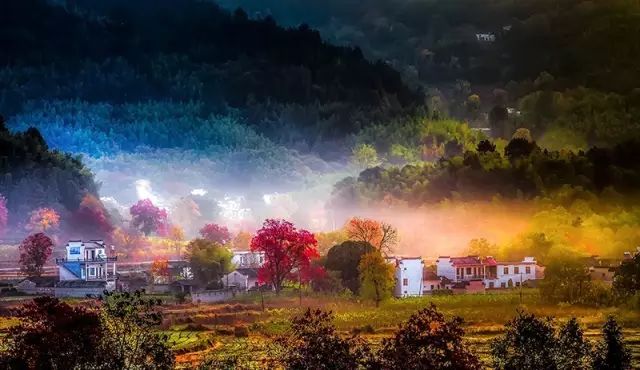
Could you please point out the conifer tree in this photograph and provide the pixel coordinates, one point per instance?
(611, 353)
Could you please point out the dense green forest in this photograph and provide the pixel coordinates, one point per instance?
(424, 97)
(32, 176)
(555, 67)
(282, 81)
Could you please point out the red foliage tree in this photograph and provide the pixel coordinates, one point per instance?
(148, 218)
(93, 216)
(34, 252)
(286, 248)
(216, 233)
(4, 215)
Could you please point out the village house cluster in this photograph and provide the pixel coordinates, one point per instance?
(462, 274)
(89, 268)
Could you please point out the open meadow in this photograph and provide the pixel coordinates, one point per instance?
(243, 330)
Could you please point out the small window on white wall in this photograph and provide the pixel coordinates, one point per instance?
(405, 282)
(92, 271)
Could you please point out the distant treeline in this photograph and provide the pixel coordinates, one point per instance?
(523, 171)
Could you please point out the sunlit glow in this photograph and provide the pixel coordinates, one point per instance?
(232, 209)
(199, 192)
(144, 191)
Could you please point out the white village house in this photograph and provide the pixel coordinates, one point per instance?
(408, 275)
(461, 274)
(247, 258)
(245, 276)
(492, 273)
(241, 279)
(86, 269)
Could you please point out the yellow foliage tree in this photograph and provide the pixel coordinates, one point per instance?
(376, 277)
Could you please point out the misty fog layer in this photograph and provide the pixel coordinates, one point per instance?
(237, 176)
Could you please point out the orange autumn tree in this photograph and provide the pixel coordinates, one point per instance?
(242, 241)
(129, 243)
(176, 236)
(43, 220)
(160, 271)
(381, 235)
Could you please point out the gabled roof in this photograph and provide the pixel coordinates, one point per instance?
(490, 261)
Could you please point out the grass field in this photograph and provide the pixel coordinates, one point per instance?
(196, 332)
(484, 314)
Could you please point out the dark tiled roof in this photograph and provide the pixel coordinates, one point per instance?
(446, 280)
(466, 261)
(183, 283)
(429, 275)
(81, 284)
(252, 273)
(43, 281)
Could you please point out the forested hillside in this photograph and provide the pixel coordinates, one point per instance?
(564, 69)
(127, 52)
(34, 179)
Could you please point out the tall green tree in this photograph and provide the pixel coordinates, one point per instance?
(572, 350)
(209, 261)
(376, 277)
(626, 281)
(565, 280)
(528, 344)
(345, 259)
(365, 156)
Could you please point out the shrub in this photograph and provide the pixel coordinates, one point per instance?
(223, 331)
(240, 331)
(313, 343)
(427, 341)
(528, 343)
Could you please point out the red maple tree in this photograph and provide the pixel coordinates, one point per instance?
(34, 252)
(216, 233)
(286, 248)
(148, 218)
